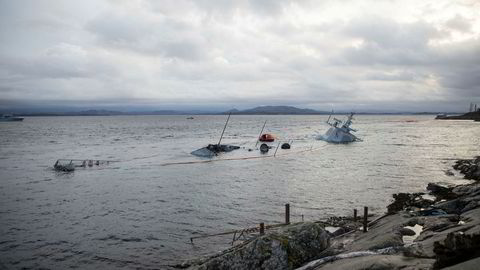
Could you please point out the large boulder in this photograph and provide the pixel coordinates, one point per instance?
(457, 247)
(379, 262)
(286, 248)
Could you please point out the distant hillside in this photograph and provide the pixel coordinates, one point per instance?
(276, 110)
(110, 113)
(467, 116)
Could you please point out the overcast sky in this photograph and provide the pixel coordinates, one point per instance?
(347, 55)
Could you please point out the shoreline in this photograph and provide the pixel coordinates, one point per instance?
(475, 116)
(426, 230)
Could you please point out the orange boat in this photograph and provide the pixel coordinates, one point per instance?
(266, 138)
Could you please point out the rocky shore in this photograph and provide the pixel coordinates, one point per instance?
(439, 229)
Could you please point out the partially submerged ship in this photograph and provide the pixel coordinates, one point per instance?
(213, 150)
(339, 132)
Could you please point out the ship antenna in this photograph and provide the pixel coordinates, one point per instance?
(221, 136)
(329, 117)
(261, 133)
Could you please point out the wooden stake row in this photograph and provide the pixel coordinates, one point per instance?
(261, 228)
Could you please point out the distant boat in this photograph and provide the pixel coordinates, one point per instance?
(190, 118)
(266, 138)
(10, 118)
(441, 116)
(339, 132)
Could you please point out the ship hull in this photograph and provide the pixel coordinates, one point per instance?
(337, 135)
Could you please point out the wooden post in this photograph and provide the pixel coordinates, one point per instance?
(262, 228)
(354, 215)
(287, 213)
(365, 219)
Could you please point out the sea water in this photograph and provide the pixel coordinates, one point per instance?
(138, 214)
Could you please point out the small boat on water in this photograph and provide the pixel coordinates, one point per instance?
(266, 138)
(339, 132)
(10, 118)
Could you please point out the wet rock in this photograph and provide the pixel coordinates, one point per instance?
(457, 247)
(468, 265)
(441, 192)
(379, 262)
(449, 173)
(384, 233)
(471, 205)
(340, 231)
(287, 248)
(407, 231)
(407, 201)
(469, 167)
(451, 207)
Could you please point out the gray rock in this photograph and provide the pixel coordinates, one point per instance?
(407, 231)
(468, 265)
(440, 191)
(451, 207)
(457, 247)
(470, 168)
(379, 262)
(385, 233)
(287, 248)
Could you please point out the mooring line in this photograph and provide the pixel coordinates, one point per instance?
(239, 158)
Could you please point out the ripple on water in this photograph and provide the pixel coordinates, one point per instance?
(138, 207)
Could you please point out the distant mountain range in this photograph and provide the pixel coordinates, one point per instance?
(276, 110)
(262, 110)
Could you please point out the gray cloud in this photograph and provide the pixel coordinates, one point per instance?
(459, 23)
(242, 53)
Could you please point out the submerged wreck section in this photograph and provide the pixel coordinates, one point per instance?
(69, 165)
(212, 150)
(339, 132)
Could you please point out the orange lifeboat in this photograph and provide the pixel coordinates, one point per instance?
(266, 138)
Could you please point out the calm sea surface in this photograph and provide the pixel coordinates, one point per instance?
(136, 213)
